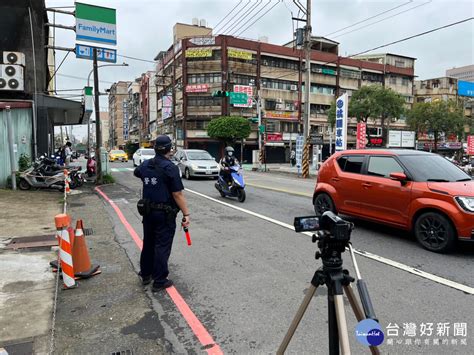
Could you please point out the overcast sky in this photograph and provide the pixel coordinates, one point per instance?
(144, 27)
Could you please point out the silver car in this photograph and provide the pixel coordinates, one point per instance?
(196, 163)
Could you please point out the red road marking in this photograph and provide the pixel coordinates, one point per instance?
(196, 326)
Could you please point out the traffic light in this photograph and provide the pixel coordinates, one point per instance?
(221, 93)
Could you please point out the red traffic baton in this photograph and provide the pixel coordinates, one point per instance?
(186, 233)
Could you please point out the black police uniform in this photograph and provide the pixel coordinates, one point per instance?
(160, 179)
(227, 161)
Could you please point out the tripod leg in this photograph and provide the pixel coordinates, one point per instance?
(357, 309)
(342, 325)
(296, 320)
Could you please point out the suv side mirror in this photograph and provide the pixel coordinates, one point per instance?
(399, 177)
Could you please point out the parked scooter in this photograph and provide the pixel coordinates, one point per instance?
(235, 188)
(34, 177)
(91, 167)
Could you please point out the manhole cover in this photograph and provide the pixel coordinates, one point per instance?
(88, 231)
(123, 352)
(38, 241)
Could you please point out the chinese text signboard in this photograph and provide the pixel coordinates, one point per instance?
(246, 89)
(470, 145)
(361, 135)
(282, 115)
(234, 53)
(103, 54)
(197, 88)
(299, 152)
(465, 88)
(342, 104)
(125, 120)
(274, 137)
(198, 53)
(401, 139)
(95, 24)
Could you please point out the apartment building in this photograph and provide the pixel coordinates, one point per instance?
(105, 129)
(134, 111)
(465, 73)
(118, 114)
(195, 66)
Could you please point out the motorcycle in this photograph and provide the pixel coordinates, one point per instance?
(235, 188)
(45, 173)
(91, 167)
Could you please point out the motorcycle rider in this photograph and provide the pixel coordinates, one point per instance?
(225, 163)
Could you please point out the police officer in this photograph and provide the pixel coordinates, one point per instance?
(226, 162)
(163, 196)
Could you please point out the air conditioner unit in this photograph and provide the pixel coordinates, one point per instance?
(280, 101)
(280, 107)
(11, 77)
(293, 87)
(17, 58)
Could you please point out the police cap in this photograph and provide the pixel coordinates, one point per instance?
(163, 144)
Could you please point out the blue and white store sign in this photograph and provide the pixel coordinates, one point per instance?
(342, 105)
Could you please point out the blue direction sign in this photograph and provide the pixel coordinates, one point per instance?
(103, 54)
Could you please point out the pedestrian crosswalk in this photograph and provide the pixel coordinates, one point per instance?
(118, 170)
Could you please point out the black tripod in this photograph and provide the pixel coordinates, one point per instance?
(338, 282)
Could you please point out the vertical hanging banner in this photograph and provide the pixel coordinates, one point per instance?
(361, 135)
(95, 24)
(470, 145)
(88, 99)
(342, 105)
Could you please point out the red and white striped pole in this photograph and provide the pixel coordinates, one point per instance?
(62, 222)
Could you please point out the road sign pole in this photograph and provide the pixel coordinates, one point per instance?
(98, 137)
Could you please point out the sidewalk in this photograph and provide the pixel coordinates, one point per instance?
(108, 313)
(280, 169)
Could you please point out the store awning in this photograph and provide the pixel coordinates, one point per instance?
(62, 112)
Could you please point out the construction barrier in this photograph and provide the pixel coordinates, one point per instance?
(62, 222)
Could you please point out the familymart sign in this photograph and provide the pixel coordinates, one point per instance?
(95, 24)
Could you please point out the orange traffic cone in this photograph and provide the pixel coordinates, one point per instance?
(83, 268)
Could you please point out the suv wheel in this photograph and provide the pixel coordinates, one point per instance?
(322, 203)
(435, 232)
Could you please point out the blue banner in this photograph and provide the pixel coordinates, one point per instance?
(465, 88)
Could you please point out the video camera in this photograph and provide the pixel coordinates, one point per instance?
(333, 233)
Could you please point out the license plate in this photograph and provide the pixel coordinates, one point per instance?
(208, 172)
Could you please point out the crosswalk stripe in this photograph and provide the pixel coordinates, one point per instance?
(130, 169)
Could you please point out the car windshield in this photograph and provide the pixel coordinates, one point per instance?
(433, 168)
(117, 152)
(199, 156)
(148, 152)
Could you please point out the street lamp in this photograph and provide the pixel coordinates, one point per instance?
(88, 84)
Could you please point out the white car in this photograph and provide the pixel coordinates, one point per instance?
(141, 155)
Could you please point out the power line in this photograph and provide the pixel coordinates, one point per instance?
(250, 19)
(228, 14)
(80, 78)
(391, 43)
(135, 58)
(244, 15)
(369, 18)
(386, 18)
(259, 18)
(223, 28)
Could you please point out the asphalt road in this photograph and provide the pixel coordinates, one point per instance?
(245, 276)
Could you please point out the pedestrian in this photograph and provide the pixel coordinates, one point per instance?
(67, 154)
(293, 157)
(162, 199)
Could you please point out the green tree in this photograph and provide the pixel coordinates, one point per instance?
(376, 102)
(437, 117)
(229, 129)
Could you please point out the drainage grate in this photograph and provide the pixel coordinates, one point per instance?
(88, 231)
(122, 352)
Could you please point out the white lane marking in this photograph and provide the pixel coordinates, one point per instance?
(114, 170)
(381, 259)
(130, 169)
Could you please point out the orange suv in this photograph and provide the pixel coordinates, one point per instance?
(413, 190)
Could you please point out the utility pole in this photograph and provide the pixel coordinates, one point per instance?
(307, 86)
(98, 137)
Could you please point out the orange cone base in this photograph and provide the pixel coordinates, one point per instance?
(94, 270)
